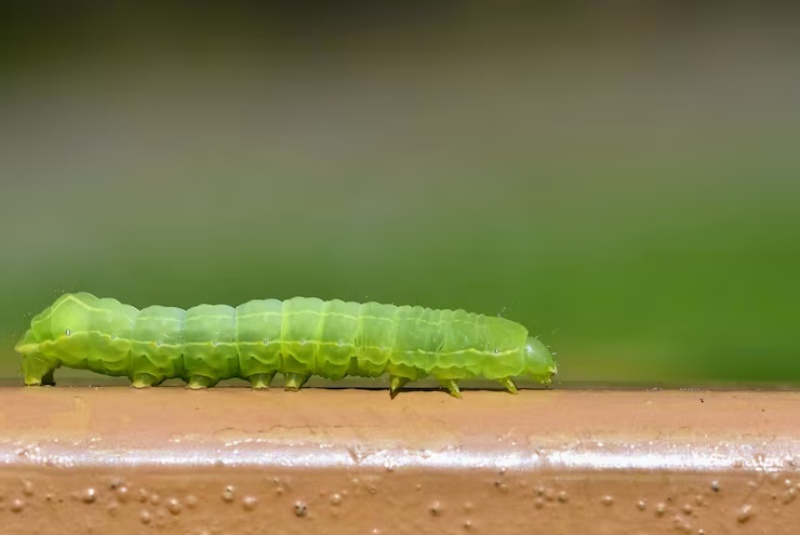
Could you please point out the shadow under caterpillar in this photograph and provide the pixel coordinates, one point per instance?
(297, 337)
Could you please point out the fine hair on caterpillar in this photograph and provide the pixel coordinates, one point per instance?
(297, 337)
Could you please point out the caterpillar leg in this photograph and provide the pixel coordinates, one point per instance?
(145, 380)
(295, 381)
(509, 384)
(452, 386)
(396, 384)
(198, 382)
(37, 371)
(261, 380)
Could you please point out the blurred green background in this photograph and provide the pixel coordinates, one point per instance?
(622, 178)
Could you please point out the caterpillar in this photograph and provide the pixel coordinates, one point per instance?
(297, 337)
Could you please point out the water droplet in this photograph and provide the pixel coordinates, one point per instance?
(468, 525)
(27, 488)
(143, 495)
(145, 517)
(67, 332)
(113, 507)
(89, 496)
(158, 343)
(17, 505)
(538, 503)
(155, 499)
(436, 509)
(300, 509)
(715, 486)
(228, 494)
(122, 494)
(745, 514)
(661, 508)
(191, 501)
(562, 496)
(336, 499)
(687, 509)
(249, 503)
(608, 500)
(641, 505)
(174, 506)
(302, 341)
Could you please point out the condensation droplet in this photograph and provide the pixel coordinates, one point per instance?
(249, 503)
(661, 508)
(538, 503)
(302, 341)
(687, 509)
(715, 486)
(17, 505)
(191, 501)
(468, 525)
(608, 500)
(67, 332)
(563, 497)
(300, 509)
(436, 509)
(336, 499)
(113, 507)
(155, 499)
(122, 494)
(174, 506)
(27, 488)
(145, 517)
(641, 505)
(745, 514)
(266, 342)
(158, 343)
(89, 496)
(228, 494)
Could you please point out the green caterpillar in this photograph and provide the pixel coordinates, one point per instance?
(298, 337)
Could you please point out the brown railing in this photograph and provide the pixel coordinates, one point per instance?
(231, 460)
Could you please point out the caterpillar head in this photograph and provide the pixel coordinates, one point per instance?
(539, 363)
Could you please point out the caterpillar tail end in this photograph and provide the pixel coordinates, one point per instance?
(396, 384)
(37, 371)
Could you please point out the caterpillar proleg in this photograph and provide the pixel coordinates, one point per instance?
(297, 337)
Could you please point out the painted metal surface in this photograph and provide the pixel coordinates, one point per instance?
(233, 460)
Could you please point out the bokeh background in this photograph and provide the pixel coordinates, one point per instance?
(621, 177)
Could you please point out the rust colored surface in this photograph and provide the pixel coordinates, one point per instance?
(231, 460)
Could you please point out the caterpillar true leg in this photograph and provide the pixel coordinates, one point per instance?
(295, 381)
(509, 384)
(261, 380)
(452, 386)
(38, 371)
(396, 384)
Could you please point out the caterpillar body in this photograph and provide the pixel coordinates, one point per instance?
(297, 337)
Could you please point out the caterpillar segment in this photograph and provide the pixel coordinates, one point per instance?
(298, 338)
